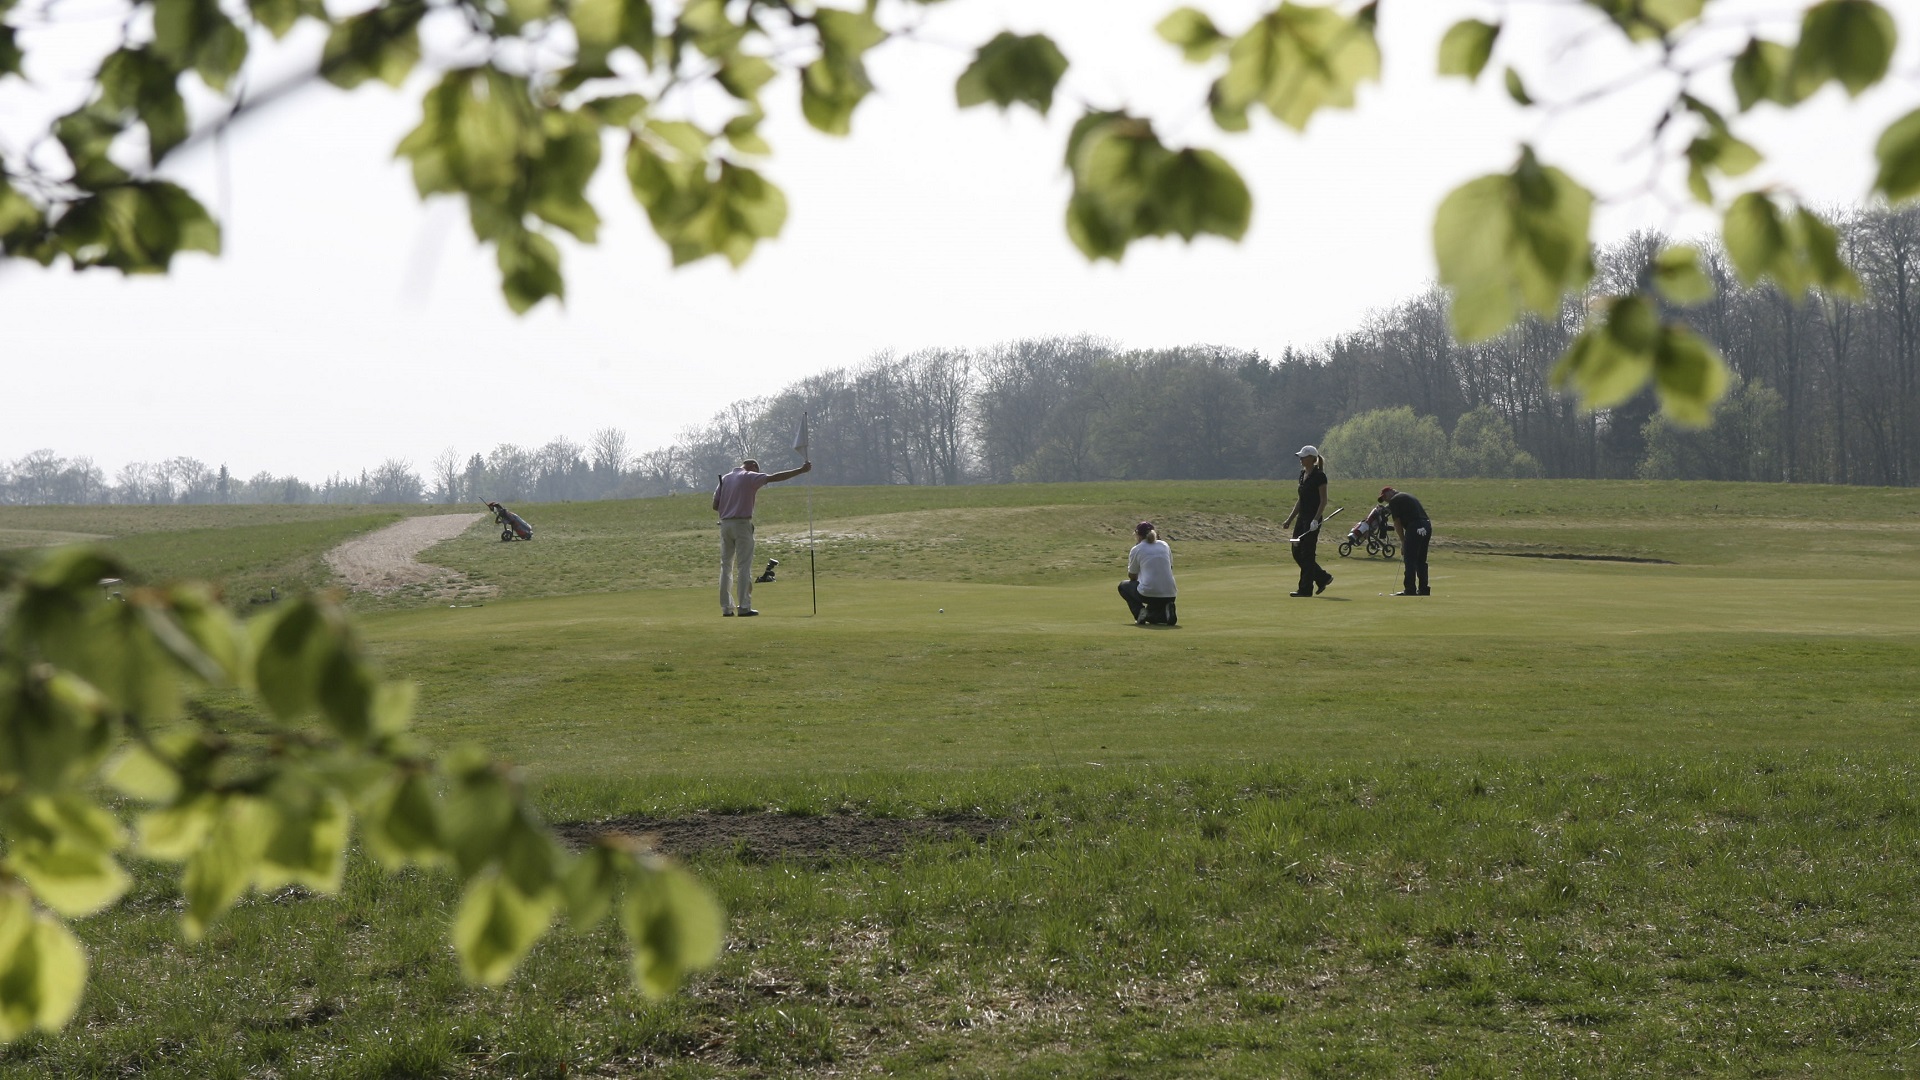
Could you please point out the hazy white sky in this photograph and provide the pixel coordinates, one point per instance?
(347, 322)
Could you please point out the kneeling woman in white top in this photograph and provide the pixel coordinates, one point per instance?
(1149, 590)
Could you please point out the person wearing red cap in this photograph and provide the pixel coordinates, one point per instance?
(1415, 530)
(1149, 590)
(1310, 509)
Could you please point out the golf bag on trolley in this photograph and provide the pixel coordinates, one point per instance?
(1373, 533)
(512, 525)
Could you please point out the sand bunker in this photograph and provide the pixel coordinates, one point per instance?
(382, 562)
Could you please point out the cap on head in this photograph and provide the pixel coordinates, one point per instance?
(1307, 451)
(1143, 528)
(750, 464)
(1387, 493)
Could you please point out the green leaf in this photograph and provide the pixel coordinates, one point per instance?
(743, 75)
(601, 26)
(138, 81)
(382, 43)
(835, 84)
(1610, 362)
(1677, 274)
(1516, 89)
(62, 846)
(1012, 69)
(1760, 74)
(54, 729)
(1647, 20)
(293, 645)
(1689, 376)
(829, 93)
(588, 884)
(1717, 150)
(226, 861)
(522, 12)
(1196, 191)
(176, 832)
(1466, 48)
(278, 16)
(558, 176)
(1298, 60)
(1847, 41)
(139, 774)
(401, 825)
(10, 55)
(1193, 31)
(1512, 243)
(745, 210)
(19, 217)
(675, 927)
(529, 270)
(496, 925)
(308, 846)
(1898, 152)
(619, 110)
(743, 132)
(1819, 246)
(42, 969)
(198, 34)
(1756, 239)
(86, 134)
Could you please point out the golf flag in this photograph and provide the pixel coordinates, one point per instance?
(800, 438)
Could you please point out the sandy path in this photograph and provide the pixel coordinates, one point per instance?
(383, 561)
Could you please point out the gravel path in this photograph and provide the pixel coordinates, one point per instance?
(382, 562)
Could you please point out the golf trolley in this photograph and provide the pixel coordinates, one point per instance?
(512, 525)
(1371, 533)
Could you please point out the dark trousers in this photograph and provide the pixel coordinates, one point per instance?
(1159, 609)
(1306, 554)
(1413, 553)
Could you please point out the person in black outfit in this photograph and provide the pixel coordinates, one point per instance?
(1309, 510)
(1415, 529)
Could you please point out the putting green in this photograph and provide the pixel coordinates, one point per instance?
(1509, 656)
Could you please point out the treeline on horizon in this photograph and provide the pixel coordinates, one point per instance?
(1823, 391)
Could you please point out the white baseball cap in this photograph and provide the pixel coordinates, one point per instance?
(1307, 451)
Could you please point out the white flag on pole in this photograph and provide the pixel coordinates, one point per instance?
(800, 438)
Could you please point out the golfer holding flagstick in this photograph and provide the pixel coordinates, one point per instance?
(1310, 510)
(733, 500)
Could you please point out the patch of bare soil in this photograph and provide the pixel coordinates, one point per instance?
(1217, 528)
(1572, 555)
(382, 562)
(766, 836)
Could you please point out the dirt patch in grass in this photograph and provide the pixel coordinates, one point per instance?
(763, 836)
(382, 562)
(1572, 555)
(1215, 528)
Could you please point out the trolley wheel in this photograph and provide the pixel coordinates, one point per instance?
(1387, 550)
(1373, 547)
(506, 534)
(1346, 549)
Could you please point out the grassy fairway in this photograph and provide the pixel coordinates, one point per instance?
(1564, 818)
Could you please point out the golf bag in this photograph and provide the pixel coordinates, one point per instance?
(512, 525)
(1373, 533)
(767, 574)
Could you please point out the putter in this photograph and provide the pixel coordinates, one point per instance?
(1323, 521)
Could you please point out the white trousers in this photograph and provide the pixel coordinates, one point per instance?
(736, 560)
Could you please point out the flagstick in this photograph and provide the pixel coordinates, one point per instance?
(812, 574)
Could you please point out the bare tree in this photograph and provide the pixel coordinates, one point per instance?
(446, 476)
(610, 456)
